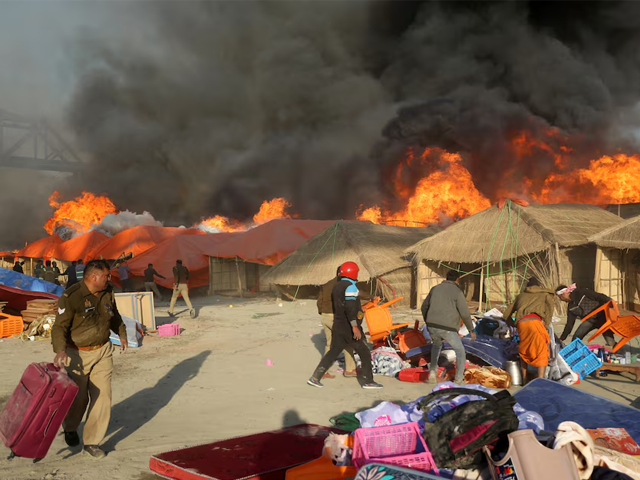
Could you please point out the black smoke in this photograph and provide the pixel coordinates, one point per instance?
(224, 104)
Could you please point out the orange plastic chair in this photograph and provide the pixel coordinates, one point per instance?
(379, 321)
(625, 326)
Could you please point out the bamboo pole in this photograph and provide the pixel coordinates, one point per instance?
(481, 289)
(239, 280)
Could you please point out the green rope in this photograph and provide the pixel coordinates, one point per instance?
(316, 256)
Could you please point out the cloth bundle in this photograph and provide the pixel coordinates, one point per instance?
(387, 362)
(587, 456)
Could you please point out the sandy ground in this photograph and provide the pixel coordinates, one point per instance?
(212, 382)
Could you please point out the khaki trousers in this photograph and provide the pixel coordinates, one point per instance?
(327, 323)
(151, 286)
(91, 370)
(181, 289)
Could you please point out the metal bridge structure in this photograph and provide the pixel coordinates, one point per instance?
(34, 144)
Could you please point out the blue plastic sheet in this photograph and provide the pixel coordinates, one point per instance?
(558, 403)
(487, 349)
(28, 283)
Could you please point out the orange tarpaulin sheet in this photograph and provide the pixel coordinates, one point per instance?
(80, 247)
(41, 248)
(137, 240)
(271, 242)
(188, 248)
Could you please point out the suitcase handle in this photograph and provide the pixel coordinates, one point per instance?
(49, 422)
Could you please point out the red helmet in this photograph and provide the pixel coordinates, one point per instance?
(349, 270)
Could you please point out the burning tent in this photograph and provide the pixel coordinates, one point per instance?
(506, 243)
(42, 248)
(191, 249)
(377, 249)
(137, 240)
(617, 271)
(240, 263)
(80, 247)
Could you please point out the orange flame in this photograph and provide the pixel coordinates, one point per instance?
(445, 194)
(80, 214)
(270, 210)
(609, 179)
(223, 224)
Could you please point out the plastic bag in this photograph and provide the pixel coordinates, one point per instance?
(382, 415)
(134, 333)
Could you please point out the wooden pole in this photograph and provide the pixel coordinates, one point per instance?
(481, 289)
(558, 263)
(239, 280)
(31, 264)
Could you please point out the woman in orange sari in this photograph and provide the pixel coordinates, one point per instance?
(533, 310)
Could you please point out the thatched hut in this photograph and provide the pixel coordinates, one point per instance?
(501, 246)
(377, 249)
(617, 271)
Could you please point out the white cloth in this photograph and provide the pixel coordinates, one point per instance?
(585, 454)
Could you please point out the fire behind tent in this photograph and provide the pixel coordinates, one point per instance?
(239, 264)
(510, 242)
(377, 249)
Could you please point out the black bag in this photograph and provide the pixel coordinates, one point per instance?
(456, 438)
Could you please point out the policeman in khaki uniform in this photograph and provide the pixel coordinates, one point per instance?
(180, 287)
(86, 313)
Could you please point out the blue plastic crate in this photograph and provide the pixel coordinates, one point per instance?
(580, 359)
(572, 348)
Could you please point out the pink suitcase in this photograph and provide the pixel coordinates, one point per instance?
(33, 415)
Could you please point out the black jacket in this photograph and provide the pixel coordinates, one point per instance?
(583, 302)
(347, 309)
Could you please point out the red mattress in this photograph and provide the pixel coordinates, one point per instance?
(263, 456)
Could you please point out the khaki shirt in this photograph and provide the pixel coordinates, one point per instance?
(85, 320)
(540, 301)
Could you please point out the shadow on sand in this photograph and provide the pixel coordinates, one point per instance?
(134, 412)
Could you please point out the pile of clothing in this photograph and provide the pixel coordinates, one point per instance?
(481, 433)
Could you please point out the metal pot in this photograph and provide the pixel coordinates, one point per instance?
(513, 368)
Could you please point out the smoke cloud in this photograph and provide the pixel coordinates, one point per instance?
(190, 109)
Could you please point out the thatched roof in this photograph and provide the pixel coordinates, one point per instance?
(377, 249)
(625, 234)
(500, 233)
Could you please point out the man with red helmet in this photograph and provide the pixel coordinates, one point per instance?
(347, 327)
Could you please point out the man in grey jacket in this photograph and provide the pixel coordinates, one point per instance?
(442, 310)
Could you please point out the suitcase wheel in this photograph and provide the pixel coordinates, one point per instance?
(11, 455)
(36, 460)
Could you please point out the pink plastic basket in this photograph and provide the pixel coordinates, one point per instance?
(400, 445)
(169, 330)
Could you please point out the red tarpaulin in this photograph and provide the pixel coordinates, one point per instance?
(188, 248)
(271, 242)
(17, 298)
(80, 247)
(42, 248)
(137, 240)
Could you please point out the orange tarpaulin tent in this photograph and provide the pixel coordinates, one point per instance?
(42, 248)
(80, 247)
(271, 242)
(138, 239)
(188, 248)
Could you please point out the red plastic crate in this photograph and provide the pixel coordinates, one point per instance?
(400, 445)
